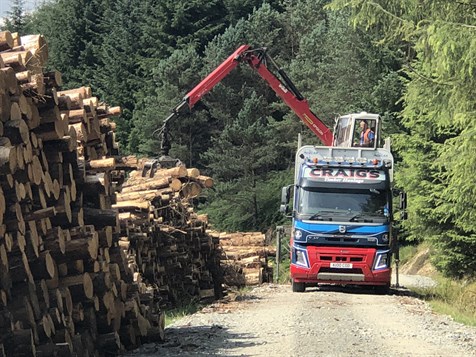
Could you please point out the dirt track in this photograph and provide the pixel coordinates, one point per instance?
(272, 321)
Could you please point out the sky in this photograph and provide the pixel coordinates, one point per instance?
(6, 5)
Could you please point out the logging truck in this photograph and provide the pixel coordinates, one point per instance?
(342, 229)
(342, 209)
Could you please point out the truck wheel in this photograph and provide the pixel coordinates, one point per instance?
(382, 289)
(298, 287)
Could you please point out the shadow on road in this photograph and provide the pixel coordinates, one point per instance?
(196, 341)
(364, 290)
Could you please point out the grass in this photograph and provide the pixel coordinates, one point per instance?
(283, 275)
(408, 252)
(456, 298)
(178, 313)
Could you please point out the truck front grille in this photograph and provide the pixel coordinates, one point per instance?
(329, 258)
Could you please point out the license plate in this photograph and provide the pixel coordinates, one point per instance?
(341, 265)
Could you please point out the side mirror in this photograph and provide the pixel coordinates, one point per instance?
(285, 196)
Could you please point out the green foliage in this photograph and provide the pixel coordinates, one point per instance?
(453, 298)
(438, 151)
(146, 56)
(17, 20)
(235, 207)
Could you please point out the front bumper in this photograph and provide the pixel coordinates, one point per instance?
(361, 272)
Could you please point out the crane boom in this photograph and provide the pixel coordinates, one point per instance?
(259, 60)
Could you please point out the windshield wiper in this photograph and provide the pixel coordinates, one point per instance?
(356, 217)
(319, 217)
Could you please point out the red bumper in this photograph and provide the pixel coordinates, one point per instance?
(321, 270)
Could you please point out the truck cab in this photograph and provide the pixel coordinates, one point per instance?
(342, 215)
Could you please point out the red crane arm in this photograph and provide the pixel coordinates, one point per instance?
(289, 94)
(215, 77)
(285, 89)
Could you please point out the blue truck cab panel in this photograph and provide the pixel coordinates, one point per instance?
(342, 216)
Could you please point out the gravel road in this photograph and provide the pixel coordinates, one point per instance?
(270, 320)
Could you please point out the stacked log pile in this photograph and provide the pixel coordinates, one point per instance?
(165, 241)
(65, 285)
(244, 258)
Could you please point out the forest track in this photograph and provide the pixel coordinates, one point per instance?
(270, 320)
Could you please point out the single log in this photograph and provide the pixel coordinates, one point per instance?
(161, 182)
(14, 60)
(193, 172)
(17, 131)
(22, 311)
(50, 131)
(8, 156)
(109, 342)
(37, 45)
(53, 79)
(43, 267)
(101, 165)
(5, 102)
(122, 206)
(15, 111)
(23, 77)
(206, 181)
(81, 131)
(105, 237)
(101, 218)
(81, 286)
(84, 91)
(20, 268)
(10, 80)
(191, 190)
(54, 241)
(82, 248)
(66, 144)
(6, 40)
(77, 116)
(105, 112)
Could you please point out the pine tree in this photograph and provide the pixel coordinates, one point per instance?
(17, 20)
(438, 114)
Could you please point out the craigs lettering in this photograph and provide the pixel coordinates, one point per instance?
(346, 173)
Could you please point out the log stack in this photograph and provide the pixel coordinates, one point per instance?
(165, 241)
(244, 258)
(66, 285)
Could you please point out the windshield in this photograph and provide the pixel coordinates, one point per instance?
(348, 205)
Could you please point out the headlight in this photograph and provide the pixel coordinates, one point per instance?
(298, 234)
(300, 257)
(382, 260)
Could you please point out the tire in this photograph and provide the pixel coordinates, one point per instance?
(382, 289)
(298, 287)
